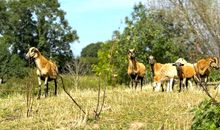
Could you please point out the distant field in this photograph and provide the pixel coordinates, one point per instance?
(124, 109)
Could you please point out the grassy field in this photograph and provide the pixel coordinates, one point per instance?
(124, 109)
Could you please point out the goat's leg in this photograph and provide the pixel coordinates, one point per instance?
(162, 87)
(205, 82)
(190, 84)
(181, 84)
(141, 82)
(188, 81)
(158, 86)
(55, 83)
(136, 84)
(131, 82)
(46, 86)
(196, 80)
(170, 85)
(136, 78)
(39, 87)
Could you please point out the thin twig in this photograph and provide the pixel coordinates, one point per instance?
(103, 100)
(71, 96)
(98, 100)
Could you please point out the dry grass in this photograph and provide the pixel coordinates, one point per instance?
(124, 109)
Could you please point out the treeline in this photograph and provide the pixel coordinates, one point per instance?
(165, 29)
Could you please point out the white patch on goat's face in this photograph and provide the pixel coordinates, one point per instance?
(151, 59)
(131, 53)
(32, 53)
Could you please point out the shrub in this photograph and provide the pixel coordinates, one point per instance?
(207, 116)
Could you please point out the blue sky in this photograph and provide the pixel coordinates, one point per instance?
(95, 20)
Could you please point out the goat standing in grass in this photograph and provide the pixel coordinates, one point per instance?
(185, 72)
(203, 67)
(46, 70)
(155, 68)
(167, 73)
(136, 70)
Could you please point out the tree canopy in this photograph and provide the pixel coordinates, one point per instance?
(167, 30)
(39, 23)
(91, 50)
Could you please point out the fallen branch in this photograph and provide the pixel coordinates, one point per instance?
(74, 101)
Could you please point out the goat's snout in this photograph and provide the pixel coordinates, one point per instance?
(132, 56)
(217, 67)
(26, 56)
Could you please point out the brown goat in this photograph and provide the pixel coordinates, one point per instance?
(136, 70)
(46, 69)
(155, 67)
(185, 72)
(203, 67)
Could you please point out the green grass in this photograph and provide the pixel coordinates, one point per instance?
(124, 109)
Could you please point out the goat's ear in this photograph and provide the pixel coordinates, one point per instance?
(133, 50)
(35, 50)
(128, 51)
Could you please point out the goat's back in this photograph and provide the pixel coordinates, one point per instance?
(141, 69)
(157, 67)
(168, 70)
(203, 66)
(188, 70)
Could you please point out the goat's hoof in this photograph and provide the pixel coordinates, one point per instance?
(38, 98)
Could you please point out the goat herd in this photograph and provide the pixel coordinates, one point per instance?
(199, 71)
(162, 73)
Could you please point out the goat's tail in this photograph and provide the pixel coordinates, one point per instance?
(70, 95)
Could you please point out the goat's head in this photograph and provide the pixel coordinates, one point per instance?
(131, 54)
(214, 62)
(151, 60)
(178, 65)
(32, 53)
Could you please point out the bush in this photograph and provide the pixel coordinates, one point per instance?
(214, 75)
(207, 116)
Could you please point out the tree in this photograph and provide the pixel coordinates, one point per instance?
(11, 65)
(89, 55)
(91, 50)
(201, 19)
(150, 32)
(39, 23)
(76, 68)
